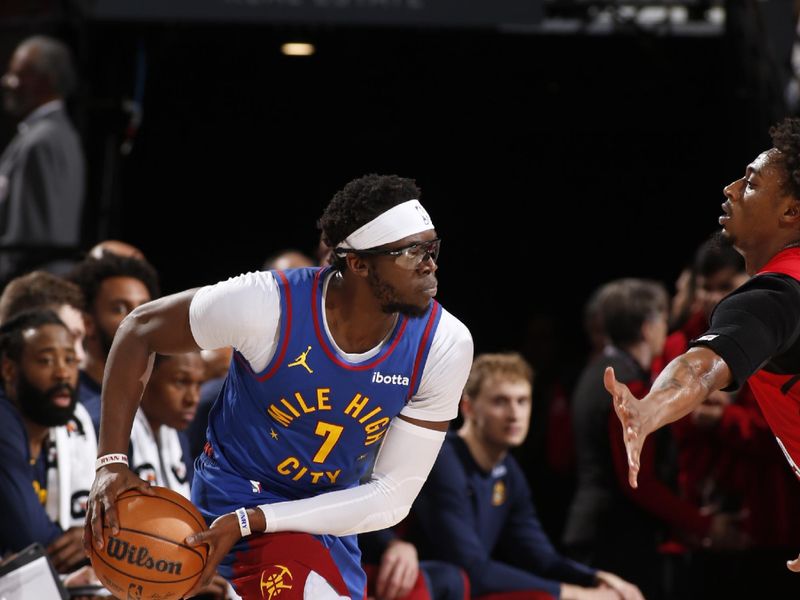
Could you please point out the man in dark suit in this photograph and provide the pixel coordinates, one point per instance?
(42, 170)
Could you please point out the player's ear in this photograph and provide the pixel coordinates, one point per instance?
(357, 264)
(8, 369)
(791, 213)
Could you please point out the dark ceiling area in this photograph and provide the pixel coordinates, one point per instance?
(550, 163)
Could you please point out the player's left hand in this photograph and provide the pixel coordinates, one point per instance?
(398, 571)
(216, 590)
(626, 590)
(220, 538)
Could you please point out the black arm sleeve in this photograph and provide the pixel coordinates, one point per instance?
(754, 324)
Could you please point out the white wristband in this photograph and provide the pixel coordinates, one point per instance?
(110, 459)
(244, 521)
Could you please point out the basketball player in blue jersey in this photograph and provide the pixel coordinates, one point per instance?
(331, 366)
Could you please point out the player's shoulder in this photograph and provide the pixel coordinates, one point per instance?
(14, 435)
(49, 133)
(298, 275)
(240, 287)
(452, 330)
(513, 468)
(762, 293)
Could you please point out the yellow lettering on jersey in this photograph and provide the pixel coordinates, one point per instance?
(284, 469)
(291, 467)
(356, 405)
(280, 416)
(369, 415)
(302, 403)
(291, 408)
(376, 425)
(322, 398)
(372, 438)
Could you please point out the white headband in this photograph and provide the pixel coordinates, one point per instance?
(396, 223)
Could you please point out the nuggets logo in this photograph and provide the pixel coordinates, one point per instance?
(41, 493)
(498, 493)
(302, 361)
(278, 579)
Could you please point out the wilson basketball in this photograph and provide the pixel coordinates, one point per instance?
(148, 559)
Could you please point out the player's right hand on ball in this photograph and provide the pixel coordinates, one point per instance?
(220, 538)
(109, 482)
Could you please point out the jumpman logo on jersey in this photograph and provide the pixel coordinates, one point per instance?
(301, 360)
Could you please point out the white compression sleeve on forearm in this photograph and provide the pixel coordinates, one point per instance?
(402, 465)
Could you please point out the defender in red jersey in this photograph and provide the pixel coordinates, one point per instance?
(755, 331)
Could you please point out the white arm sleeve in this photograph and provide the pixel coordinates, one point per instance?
(243, 312)
(445, 373)
(402, 466)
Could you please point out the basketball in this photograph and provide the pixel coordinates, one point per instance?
(148, 559)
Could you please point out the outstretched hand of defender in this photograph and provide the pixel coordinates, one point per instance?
(630, 411)
(794, 565)
(101, 511)
(220, 538)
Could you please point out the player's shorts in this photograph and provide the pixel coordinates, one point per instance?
(276, 566)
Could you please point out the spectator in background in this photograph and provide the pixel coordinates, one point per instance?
(44, 290)
(115, 247)
(612, 526)
(287, 259)
(48, 453)
(394, 571)
(216, 363)
(717, 270)
(476, 511)
(159, 449)
(42, 170)
(112, 287)
(593, 325)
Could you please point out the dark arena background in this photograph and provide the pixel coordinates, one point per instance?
(553, 155)
(558, 143)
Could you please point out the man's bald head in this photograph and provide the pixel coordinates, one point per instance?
(116, 247)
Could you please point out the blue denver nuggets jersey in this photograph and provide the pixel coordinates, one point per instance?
(311, 421)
